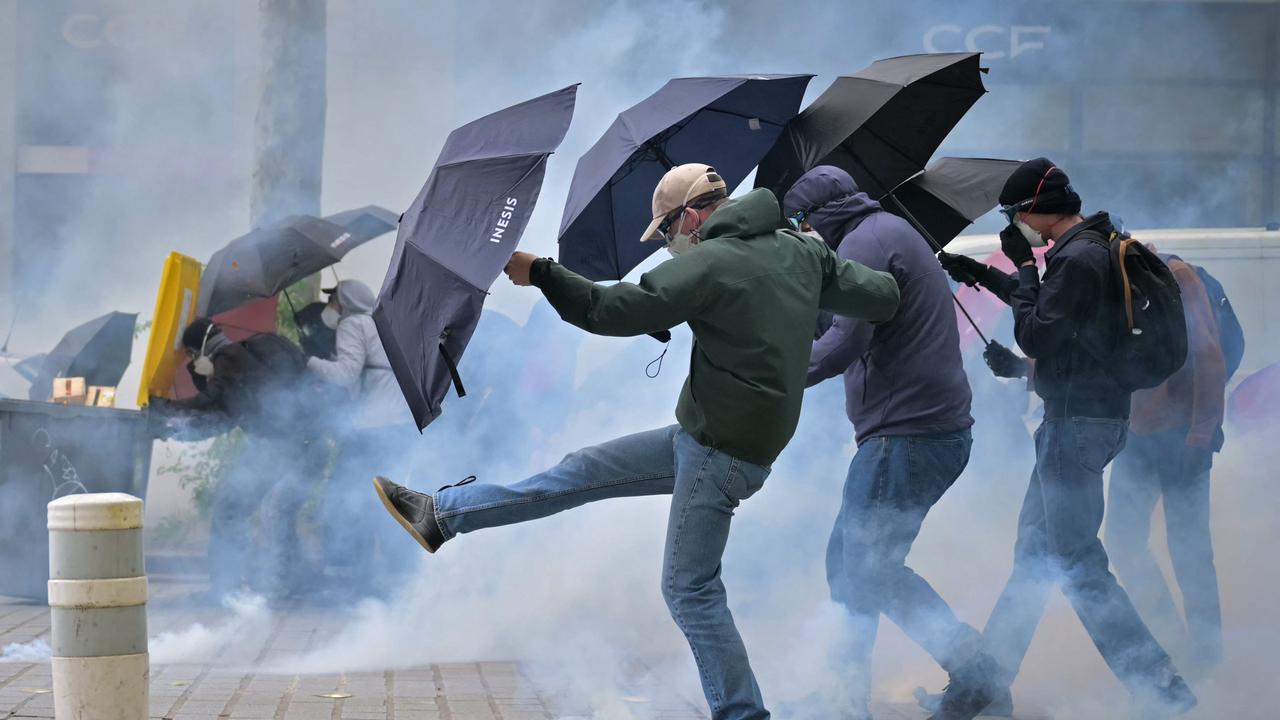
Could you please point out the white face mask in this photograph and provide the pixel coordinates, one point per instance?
(681, 242)
(203, 364)
(330, 317)
(1033, 237)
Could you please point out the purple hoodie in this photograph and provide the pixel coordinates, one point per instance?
(903, 376)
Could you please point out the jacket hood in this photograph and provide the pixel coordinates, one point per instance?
(755, 213)
(355, 298)
(832, 201)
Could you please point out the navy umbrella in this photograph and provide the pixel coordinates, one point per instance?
(880, 124)
(950, 195)
(97, 351)
(727, 122)
(269, 259)
(456, 238)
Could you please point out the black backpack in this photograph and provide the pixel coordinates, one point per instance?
(1230, 333)
(1151, 343)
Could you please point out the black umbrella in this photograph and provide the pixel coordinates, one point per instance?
(727, 122)
(881, 124)
(950, 194)
(269, 259)
(97, 351)
(455, 239)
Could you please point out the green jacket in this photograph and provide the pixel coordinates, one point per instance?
(750, 292)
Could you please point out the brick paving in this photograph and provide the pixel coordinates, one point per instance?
(217, 691)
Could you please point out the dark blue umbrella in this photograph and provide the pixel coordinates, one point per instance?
(456, 238)
(727, 122)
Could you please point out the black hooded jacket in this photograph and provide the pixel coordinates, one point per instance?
(1067, 322)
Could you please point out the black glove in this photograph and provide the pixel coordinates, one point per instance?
(1003, 361)
(1015, 246)
(962, 268)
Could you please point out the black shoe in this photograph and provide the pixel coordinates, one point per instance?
(415, 511)
(970, 691)
(1001, 705)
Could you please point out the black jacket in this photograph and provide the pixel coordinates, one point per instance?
(1067, 321)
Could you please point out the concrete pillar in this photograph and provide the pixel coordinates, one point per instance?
(8, 152)
(98, 604)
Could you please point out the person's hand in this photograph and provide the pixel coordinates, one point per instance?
(1003, 361)
(1196, 459)
(1015, 246)
(962, 268)
(518, 267)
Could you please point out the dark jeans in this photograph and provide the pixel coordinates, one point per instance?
(1058, 542)
(1151, 468)
(892, 484)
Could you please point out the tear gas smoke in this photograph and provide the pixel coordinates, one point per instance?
(577, 595)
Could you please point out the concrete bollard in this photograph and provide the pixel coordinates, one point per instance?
(98, 604)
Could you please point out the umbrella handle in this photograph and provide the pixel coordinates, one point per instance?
(938, 248)
(453, 371)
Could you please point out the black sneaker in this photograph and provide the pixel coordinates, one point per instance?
(1001, 705)
(415, 511)
(970, 691)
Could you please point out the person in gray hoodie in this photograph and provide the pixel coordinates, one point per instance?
(374, 430)
(908, 399)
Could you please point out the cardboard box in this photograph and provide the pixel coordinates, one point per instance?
(69, 391)
(100, 396)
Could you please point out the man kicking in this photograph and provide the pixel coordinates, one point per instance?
(751, 292)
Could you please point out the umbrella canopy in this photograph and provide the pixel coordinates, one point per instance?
(881, 124)
(364, 224)
(950, 194)
(97, 351)
(269, 259)
(727, 122)
(457, 236)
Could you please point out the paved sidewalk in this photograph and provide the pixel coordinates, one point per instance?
(456, 691)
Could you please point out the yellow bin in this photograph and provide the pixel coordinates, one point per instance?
(175, 309)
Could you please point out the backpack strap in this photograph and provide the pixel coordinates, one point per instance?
(1122, 249)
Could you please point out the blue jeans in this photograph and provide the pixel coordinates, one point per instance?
(1158, 467)
(706, 486)
(892, 484)
(1058, 542)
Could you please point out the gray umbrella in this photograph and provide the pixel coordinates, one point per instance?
(455, 239)
(269, 259)
(97, 351)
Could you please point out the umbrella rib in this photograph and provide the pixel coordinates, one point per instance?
(463, 161)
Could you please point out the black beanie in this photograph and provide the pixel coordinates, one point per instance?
(1045, 183)
(193, 337)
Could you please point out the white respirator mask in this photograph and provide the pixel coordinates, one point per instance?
(203, 365)
(330, 317)
(1031, 234)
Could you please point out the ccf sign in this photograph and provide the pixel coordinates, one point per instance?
(990, 40)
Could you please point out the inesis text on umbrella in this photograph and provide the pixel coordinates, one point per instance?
(504, 220)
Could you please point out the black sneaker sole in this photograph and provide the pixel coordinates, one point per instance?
(404, 523)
